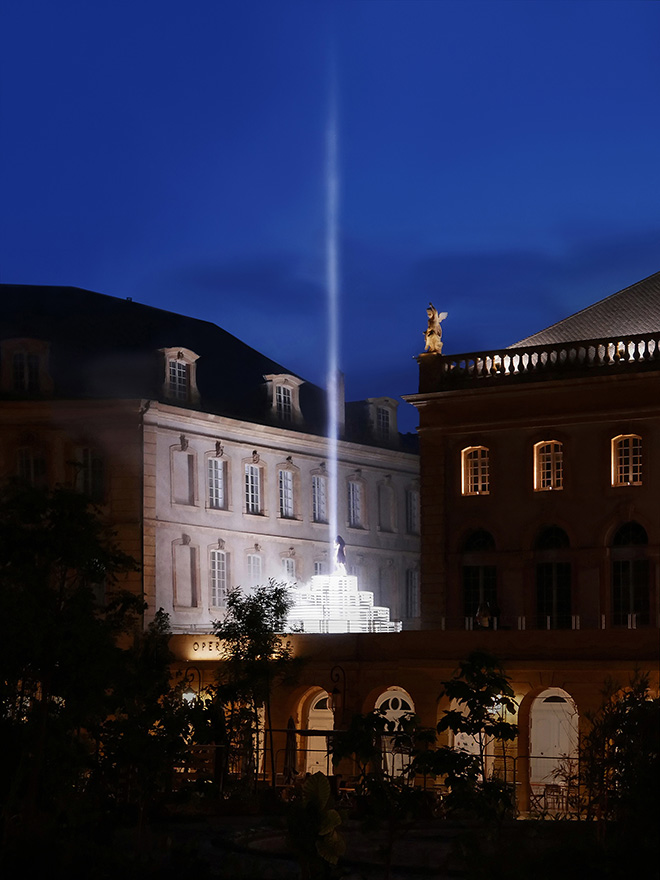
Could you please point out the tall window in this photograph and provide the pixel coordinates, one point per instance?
(412, 512)
(284, 403)
(412, 593)
(218, 569)
(289, 568)
(630, 576)
(627, 460)
(25, 369)
(285, 484)
(355, 504)
(178, 371)
(319, 498)
(319, 568)
(553, 579)
(252, 488)
(475, 471)
(383, 423)
(254, 569)
(216, 476)
(479, 579)
(90, 474)
(548, 466)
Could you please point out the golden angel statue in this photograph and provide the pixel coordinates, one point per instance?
(433, 332)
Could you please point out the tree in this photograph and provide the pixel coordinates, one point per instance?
(620, 756)
(255, 657)
(58, 645)
(483, 696)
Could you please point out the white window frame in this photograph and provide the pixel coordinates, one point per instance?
(475, 466)
(180, 381)
(289, 569)
(254, 569)
(356, 505)
(216, 483)
(285, 485)
(319, 498)
(284, 403)
(627, 460)
(253, 474)
(218, 577)
(548, 466)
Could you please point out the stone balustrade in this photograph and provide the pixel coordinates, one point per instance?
(540, 362)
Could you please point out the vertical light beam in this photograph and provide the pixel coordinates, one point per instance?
(332, 284)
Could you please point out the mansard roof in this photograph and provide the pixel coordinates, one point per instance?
(635, 309)
(104, 347)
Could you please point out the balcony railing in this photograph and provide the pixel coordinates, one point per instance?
(540, 362)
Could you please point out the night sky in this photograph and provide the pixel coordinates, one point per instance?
(501, 159)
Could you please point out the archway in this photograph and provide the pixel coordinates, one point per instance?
(395, 704)
(318, 717)
(553, 747)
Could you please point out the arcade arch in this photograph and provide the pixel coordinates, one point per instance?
(553, 740)
(395, 704)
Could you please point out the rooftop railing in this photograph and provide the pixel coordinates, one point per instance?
(540, 362)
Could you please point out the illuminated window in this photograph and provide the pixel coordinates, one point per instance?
(179, 381)
(475, 470)
(285, 484)
(254, 569)
(412, 512)
(284, 403)
(412, 593)
(383, 423)
(217, 483)
(319, 498)
(548, 466)
(627, 460)
(355, 504)
(252, 488)
(218, 570)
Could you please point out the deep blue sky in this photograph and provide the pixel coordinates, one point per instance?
(499, 158)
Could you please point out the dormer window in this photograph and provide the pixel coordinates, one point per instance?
(382, 418)
(24, 364)
(180, 384)
(284, 398)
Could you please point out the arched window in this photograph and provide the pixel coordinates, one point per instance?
(479, 573)
(630, 576)
(548, 466)
(475, 468)
(553, 579)
(627, 460)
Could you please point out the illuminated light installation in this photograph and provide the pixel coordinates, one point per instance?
(332, 284)
(334, 604)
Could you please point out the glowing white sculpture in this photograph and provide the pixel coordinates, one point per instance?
(334, 604)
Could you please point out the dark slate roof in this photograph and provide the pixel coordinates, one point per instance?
(105, 347)
(636, 309)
